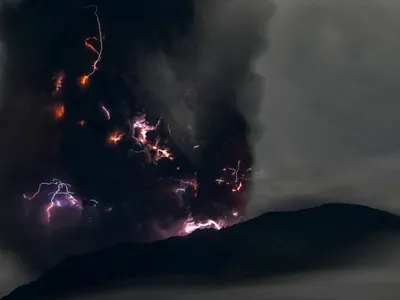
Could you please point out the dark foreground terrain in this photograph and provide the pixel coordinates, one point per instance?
(273, 244)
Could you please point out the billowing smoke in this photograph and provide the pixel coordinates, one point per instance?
(208, 86)
(189, 63)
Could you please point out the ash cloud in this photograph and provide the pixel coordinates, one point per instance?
(212, 67)
(198, 75)
(207, 88)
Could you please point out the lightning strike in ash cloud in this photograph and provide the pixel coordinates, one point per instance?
(84, 80)
(61, 196)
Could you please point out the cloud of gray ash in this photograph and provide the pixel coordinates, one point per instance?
(188, 62)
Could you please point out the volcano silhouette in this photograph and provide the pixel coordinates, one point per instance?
(272, 244)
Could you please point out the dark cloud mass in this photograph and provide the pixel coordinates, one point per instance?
(187, 61)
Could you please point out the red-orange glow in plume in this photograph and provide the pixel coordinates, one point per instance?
(237, 178)
(85, 78)
(59, 111)
(184, 184)
(115, 137)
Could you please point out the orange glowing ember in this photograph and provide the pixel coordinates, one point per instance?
(84, 80)
(115, 137)
(195, 187)
(59, 111)
(238, 187)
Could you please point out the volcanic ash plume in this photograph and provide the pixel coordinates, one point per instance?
(207, 88)
(127, 135)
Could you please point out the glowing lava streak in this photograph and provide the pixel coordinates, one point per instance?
(191, 225)
(61, 197)
(85, 78)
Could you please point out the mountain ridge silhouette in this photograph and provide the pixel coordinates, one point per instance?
(272, 244)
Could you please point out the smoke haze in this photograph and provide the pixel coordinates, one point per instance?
(331, 107)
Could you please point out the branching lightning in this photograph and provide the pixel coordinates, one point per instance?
(62, 196)
(191, 225)
(238, 178)
(85, 78)
(185, 184)
(155, 147)
(139, 129)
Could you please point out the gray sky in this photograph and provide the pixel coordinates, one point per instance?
(12, 273)
(331, 109)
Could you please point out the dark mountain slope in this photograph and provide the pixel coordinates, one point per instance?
(271, 244)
